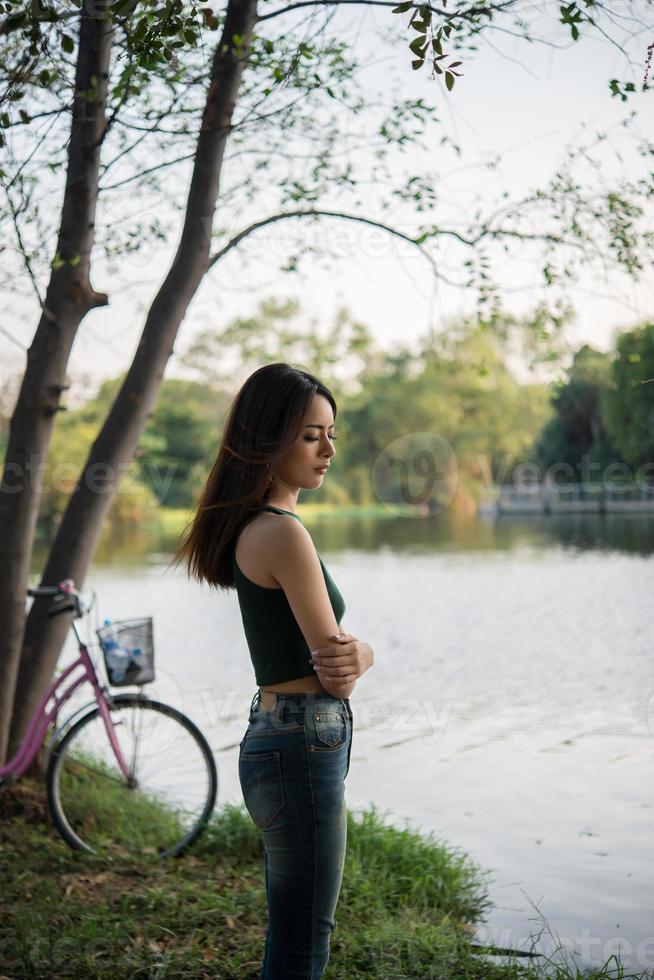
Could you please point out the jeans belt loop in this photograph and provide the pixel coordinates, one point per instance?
(268, 700)
(254, 704)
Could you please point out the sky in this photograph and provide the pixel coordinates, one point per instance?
(523, 103)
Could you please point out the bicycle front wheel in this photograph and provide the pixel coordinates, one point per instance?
(165, 804)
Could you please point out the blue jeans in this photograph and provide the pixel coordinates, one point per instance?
(292, 764)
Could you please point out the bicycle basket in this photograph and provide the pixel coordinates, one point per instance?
(128, 651)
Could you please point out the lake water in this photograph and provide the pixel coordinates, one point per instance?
(510, 709)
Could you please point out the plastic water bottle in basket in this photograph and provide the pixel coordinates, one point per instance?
(128, 650)
(115, 658)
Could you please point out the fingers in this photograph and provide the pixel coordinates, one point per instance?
(330, 672)
(340, 661)
(335, 650)
(331, 657)
(344, 681)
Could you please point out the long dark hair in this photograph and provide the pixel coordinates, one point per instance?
(263, 422)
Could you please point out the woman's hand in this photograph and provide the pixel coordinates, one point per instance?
(343, 661)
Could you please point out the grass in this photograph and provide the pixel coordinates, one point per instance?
(407, 907)
(103, 811)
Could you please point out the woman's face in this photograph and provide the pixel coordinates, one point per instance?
(312, 450)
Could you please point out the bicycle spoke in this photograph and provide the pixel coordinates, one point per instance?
(96, 771)
(171, 799)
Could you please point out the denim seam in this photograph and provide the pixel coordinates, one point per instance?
(349, 754)
(315, 853)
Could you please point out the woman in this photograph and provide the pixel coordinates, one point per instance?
(295, 754)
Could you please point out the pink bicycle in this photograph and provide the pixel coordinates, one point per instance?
(126, 775)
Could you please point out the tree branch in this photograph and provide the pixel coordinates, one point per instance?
(441, 11)
(22, 248)
(146, 172)
(314, 212)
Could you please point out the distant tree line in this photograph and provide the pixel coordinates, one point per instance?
(457, 386)
(602, 429)
(599, 419)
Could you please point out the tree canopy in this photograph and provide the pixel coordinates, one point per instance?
(628, 400)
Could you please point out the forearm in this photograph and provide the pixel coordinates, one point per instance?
(338, 689)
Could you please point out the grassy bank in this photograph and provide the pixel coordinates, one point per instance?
(406, 909)
(172, 520)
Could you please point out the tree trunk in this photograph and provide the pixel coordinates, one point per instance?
(69, 297)
(74, 545)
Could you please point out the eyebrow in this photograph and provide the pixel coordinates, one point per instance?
(314, 425)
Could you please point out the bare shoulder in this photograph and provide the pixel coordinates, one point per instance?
(265, 539)
(278, 552)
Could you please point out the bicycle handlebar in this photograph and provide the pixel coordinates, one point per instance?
(65, 587)
(65, 590)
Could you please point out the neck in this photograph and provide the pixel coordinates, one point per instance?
(285, 505)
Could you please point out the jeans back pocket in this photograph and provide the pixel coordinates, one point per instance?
(331, 728)
(260, 775)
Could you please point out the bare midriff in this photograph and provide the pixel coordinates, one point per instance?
(299, 685)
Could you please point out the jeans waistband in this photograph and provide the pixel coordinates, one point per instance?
(292, 702)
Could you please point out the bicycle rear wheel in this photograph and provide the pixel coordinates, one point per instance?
(161, 810)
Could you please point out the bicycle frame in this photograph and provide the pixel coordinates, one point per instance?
(43, 716)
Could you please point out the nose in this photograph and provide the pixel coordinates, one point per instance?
(329, 447)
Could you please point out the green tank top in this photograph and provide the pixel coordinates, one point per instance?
(277, 646)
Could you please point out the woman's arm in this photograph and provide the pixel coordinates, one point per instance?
(338, 690)
(294, 563)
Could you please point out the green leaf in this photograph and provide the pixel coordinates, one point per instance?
(402, 7)
(417, 64)
(418, 45)
(67, 43)
(449, 80)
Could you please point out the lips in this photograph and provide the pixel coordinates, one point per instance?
(322, 469)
